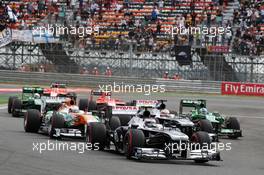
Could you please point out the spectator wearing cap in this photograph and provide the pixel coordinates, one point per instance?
(95, 71)
(108, 72)
(41, 68)
(84, 71)
(166, 75)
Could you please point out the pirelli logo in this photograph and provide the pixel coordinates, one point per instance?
(125, 108)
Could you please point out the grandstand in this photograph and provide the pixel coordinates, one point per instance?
(138, 37)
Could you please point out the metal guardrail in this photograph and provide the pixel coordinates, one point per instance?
(192, 86)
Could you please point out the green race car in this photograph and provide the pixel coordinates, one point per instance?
(30, 99)
(210, 121)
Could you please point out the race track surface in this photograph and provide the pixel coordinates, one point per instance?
(245, 158)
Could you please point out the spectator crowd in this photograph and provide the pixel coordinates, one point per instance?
(142, 25)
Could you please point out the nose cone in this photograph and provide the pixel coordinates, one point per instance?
(177, 135)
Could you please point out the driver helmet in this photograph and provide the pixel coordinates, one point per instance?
(203, 111)
(164, 111)
(36, 95)
(74, 109)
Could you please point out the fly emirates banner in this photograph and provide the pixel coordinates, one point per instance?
(235, 88)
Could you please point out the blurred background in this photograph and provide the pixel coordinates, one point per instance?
(134, 38)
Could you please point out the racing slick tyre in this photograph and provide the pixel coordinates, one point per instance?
(133, 138)
(201, 140)
(92, 106)
(232, 123)
(114, 123)
(205, 125)
(10, 103)
(16, 107)
(57, 122)
(32, 120)
(83, 104)
(96, 135)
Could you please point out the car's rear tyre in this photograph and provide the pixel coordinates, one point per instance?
(92, 106)
(114, 123)
(233, 123)
(96, 135)
(10, 103)
(32, 120)
(83, 104)
(133, 138)
(57, 122)
(205, 125)
(201, 140)
(16, 107)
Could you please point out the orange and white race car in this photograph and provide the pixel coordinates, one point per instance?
(65, 120)
(59, 90)
(104, 99)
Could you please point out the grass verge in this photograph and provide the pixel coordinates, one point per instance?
(4, 98)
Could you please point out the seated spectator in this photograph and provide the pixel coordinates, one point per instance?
(73, 4)
(123, 23)
(154, 14)
(161, 3)
(94, 8)
(118, 7)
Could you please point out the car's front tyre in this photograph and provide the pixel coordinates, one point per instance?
(10, 103)
(16, 107)
(133, 138)
(32, 120)
(96, 135)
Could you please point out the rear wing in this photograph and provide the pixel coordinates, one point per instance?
(146, 103)
(191, 103)
(58, 85)
(124, 110)
(100, 93)
(48, 99)
(33, 90)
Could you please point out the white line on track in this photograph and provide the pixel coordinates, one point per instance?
(3, 107)
(242, 116)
